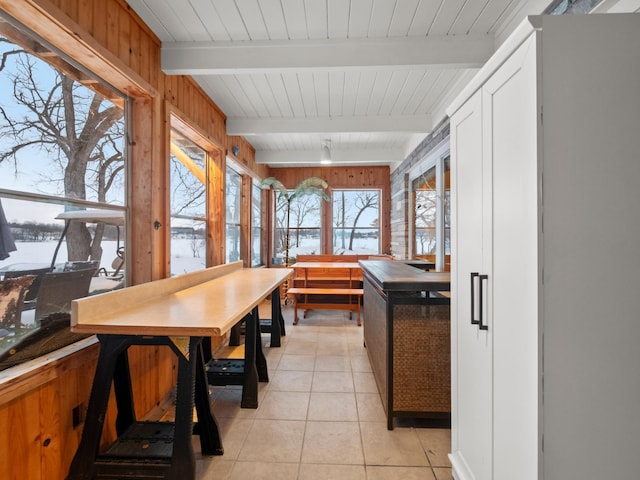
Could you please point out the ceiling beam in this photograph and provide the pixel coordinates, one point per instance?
(356, 124)
(373, 156)
(250, 57)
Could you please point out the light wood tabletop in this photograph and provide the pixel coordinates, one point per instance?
(209, 308)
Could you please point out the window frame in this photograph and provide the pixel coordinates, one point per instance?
(239, 202)
(436, 158)
(331, 247)
(191, 136)
(55, 59)
(257, 192)
(320, 228)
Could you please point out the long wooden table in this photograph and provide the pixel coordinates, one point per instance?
(178, 312)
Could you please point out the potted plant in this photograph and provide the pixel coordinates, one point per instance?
(308, 186)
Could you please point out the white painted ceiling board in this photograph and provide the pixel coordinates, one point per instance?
(367, 80)
(279, 92)
(468, 17)
(308, 93)
(411, 82)
(402, 18)
(446, 16)
(188, 25)
(273, 17)
(251, 15)
(295, 18)
(151, 19)
(231, 19)
(381, 16)
(336, 93)
(425, 16)
(488, 18)
(337, 19)
(359, 18)
(321, 87)
(378, 92)
(294, 94)
(394, 88)
(350, 92)
(426, 83)
(210, 19)
(367, 74)
(266, 93)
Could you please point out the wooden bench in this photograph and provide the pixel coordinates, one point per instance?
(326, 304)
(331, 277)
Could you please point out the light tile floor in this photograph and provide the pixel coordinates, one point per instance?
(320, 416)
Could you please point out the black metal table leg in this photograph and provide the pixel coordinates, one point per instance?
(207, 428)
(261, 361)
(277, 321)
(150, 450)
(250, 376)
(234, 334)
(124, 394)
(82, 466)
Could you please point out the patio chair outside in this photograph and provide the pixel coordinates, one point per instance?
(59, 288)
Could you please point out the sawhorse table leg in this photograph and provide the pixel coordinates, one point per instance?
(132, 455)
(246, 372)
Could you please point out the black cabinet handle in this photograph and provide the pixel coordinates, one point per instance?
(473, 299)
(483, 326)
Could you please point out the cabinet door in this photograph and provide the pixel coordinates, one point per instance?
(510, 117)
(471, 346)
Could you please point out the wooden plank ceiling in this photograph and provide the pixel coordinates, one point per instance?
(372, 76)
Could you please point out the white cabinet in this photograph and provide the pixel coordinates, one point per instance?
(471, 386)
(545, 152)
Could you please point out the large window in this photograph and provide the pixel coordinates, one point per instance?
(356, 221)
(256, 226)
(431, 214)
(62, 191)
(301, 219)
(234, 213)
(188, 205)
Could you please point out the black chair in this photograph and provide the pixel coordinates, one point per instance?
(57, 289)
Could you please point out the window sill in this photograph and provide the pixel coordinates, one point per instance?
(18, 380)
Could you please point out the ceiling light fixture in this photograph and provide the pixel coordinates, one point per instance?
(325, 153)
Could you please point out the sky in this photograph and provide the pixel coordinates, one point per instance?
(36, 170)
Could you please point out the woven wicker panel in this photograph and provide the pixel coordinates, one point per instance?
(375, 337)
(421, 358)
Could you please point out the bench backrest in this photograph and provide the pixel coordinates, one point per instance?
(331, 274)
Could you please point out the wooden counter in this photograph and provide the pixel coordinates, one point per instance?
(407, 335)
(402, 276)
(204, 303)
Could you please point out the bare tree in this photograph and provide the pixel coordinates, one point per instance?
(425, 217)
(364, 200)
(341, 218)
(187, 192)
(79, 130)
(302, 208)
(309, 186)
